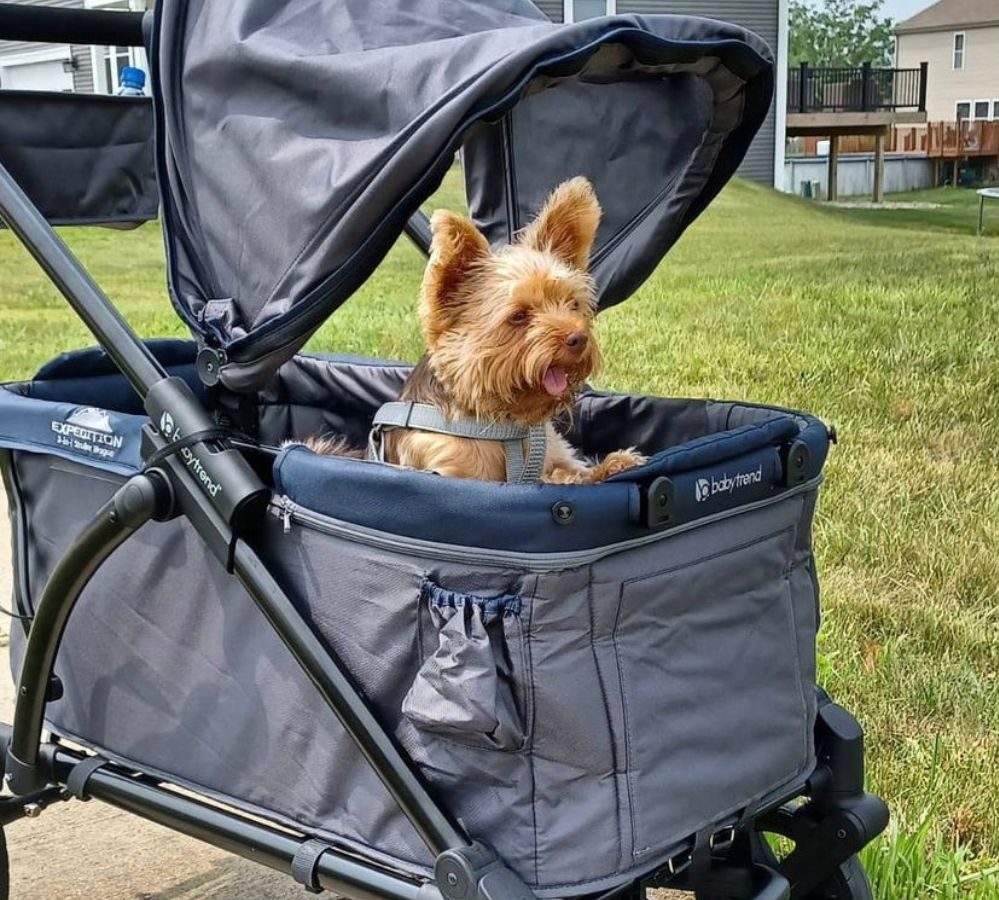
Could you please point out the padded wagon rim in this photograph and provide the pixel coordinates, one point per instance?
(706, 477)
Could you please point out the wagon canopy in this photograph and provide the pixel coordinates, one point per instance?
(297, 138)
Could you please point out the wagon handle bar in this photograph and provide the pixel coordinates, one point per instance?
(52, 25)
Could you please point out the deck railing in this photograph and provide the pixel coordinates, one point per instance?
(944, 140)
(863, 89)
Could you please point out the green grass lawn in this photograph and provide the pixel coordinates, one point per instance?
(884, 323)
(957, 212)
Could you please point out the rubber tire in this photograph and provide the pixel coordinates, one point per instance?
(849, 883)
(4, 868)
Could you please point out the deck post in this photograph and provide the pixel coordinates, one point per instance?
(879, 167)
(924, 68)
(803, 87)
(865, 87)
(833, 191)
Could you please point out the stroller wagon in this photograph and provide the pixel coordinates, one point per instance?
(386, 683)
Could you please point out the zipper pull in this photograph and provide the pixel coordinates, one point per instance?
(282, 509)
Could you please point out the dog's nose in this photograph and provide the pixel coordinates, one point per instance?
(576, 340)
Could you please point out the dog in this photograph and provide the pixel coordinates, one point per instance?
(509, 340)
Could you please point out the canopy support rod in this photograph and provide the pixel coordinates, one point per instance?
(52, 25)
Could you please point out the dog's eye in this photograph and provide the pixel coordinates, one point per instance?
(521, 317)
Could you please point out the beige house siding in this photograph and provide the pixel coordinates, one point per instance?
(978, 80)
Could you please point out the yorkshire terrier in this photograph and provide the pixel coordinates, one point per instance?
(509, 338)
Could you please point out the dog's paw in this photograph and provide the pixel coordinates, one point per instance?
(568, 475)
(618, 461)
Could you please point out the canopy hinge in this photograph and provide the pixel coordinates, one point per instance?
(210, 363)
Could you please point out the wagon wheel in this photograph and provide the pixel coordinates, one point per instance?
(849, 882)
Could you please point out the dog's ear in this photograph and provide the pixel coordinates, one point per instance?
(456, 247)
(567, 224)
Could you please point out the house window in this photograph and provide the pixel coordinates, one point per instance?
(115, 59)
(578, 10)
(959, 50)
(982, 109)
(108, 62)
(963, 110)
(995, 109)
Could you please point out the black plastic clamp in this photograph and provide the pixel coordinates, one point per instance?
(80, 774)
(476, 872)
(796, 460)
(305, 863)
(657, 503)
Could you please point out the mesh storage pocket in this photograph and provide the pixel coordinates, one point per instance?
(714, 704)
(469, 686)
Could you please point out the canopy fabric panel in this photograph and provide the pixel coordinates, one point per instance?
(298, 138)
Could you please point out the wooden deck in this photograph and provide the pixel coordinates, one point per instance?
(949, 140)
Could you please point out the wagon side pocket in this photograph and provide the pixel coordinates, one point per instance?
(470, 687)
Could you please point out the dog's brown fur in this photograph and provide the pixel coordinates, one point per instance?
(509, 337)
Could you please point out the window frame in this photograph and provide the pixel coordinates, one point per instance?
(963, 51)
(568, 7)
(971, 109)
(974, 111)
(100, 55)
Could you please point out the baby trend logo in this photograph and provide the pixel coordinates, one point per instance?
(706, 488)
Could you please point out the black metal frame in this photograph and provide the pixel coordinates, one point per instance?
(215, 488)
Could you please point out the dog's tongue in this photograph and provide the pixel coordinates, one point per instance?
(555, 382)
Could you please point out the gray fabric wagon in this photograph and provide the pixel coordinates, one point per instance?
(604, 683)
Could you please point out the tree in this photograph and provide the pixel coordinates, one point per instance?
(844, 33)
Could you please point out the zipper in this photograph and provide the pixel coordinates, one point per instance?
(290, 513)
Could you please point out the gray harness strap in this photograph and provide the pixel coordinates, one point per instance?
(521, 468)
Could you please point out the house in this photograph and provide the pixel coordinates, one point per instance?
(768, 18)
(960, 41)
(61, 67)
(66, 68)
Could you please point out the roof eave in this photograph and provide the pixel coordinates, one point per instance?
(952, 27)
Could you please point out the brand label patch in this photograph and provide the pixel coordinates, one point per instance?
(88, 430)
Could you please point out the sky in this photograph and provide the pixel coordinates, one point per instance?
(898, 9)
(902, 9)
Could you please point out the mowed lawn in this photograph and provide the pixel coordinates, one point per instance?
(884, 323)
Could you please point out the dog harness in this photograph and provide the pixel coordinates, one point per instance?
(521, 467)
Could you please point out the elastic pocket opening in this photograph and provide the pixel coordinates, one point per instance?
(466, 688)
